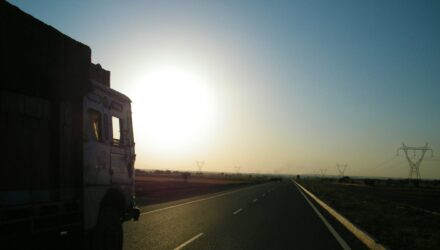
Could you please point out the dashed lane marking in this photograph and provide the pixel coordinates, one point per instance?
(188, 241)
(237, 211)
(199, 200)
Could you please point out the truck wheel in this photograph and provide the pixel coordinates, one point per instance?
(109, 234)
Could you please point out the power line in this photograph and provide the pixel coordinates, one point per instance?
(394, 165)
(387, 161)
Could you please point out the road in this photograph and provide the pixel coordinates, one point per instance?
(272, 215)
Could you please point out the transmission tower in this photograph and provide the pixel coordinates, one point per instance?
(237, 169)
(200, 165)
(323, 171)
(341, 168)
(414, 163)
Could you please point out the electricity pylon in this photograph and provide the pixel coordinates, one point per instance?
(323, 171)
(341, 168)
(414, 164)
(200, 165)
(237, 169)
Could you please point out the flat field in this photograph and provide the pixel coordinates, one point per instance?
(399, 216)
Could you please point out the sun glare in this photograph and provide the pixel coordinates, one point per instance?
(175, 109)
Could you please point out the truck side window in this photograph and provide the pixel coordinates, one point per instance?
(95, 124)
(117, 128)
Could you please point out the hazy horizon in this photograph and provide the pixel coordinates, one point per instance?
(272, 87)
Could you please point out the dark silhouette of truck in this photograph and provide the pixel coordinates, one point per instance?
(67, 146)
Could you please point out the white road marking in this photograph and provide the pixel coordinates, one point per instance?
(194, 201)
(238, 211)
(370, 242)
(341, 241)
(255, 200)
(188, 241)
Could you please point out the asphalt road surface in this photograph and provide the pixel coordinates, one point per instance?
(272, 215)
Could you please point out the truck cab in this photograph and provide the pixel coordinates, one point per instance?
(109, 156)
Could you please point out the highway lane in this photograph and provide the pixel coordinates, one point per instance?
(267, 216)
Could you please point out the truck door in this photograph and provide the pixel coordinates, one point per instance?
(121, 145)
(96, 142)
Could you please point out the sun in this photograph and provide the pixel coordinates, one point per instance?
(174, 109)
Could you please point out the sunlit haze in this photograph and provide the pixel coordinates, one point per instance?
(179, 109)
(273, 87)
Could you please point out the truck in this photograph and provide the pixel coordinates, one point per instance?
(67, 144)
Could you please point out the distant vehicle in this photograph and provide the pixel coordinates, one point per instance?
(67, 146)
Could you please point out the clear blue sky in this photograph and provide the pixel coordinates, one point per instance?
(300, 85)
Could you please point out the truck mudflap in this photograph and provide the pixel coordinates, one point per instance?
(133, 213)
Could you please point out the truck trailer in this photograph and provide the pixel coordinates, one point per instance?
(67, 145)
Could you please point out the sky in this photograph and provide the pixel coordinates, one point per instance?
(269, 86)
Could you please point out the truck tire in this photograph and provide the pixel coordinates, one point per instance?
(108, 235)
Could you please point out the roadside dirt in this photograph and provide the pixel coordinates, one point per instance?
(399, 217)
